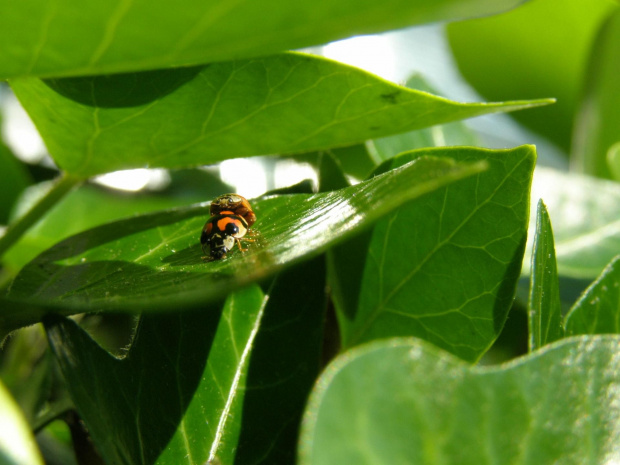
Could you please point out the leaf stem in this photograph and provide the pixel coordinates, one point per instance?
(15, 231)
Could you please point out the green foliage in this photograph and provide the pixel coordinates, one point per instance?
(544, 306)
(39, 37)
(432, 408)
(294, 102)
(444, 245)
(396, 263)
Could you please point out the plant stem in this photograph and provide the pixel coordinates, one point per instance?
(15, 231)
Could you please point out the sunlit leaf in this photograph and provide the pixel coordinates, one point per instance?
(286, 103)
(153, 261)
(585, 213)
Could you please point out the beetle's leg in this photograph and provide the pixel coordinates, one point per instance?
(239, 244)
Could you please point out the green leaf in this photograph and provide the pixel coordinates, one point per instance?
(544, 307)
(17, 445)
(404, 401)
(44, 38)
(598, 309)
(197, 386)
(443, 269)
(285, 103)
(154, 261)
(443, 135)
(87, 207)
(284, 366)
(539, 49)
(171, 396)
(598, 120)
(585, 214)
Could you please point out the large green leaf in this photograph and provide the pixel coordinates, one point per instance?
(544, 307)
(154, 261)
(17, 445)
(65, 37)
(405, 402)
(540, 49)
(286, 103)
(197, 386)
(90, 206)
(444, 269)
(598, 120)
(585, 212)
(598, 309)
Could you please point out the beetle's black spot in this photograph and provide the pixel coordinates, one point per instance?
(232, 229)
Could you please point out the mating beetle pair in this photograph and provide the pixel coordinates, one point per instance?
(231, 218)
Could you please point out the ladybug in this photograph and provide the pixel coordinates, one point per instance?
(236, 204)
(221, 232)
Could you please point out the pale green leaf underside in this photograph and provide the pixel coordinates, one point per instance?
(585, 212)
(154, 261)
(286, 103)
(65, 37)
(406, 402)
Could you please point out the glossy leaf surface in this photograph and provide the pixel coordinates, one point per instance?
(405, 401)
(172, 395)
(39, 37)
(544, 308)
(17, 445)
(598, 120)
(598, 310)
(285, 103)
(90, 206)
(444, 269)
(189, 380)
(585, 213)
(153, 261)
(538, 50)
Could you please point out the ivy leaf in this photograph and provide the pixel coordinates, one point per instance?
(544, 306)
(405, 401)
(445, 269)
(154, 261)
(174, 391)
(89, 206)
(598, 309)
(180, 394)
(40, 38)
(286, 103)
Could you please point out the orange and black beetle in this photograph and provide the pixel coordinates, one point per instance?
(221, 232)
(236, 204)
